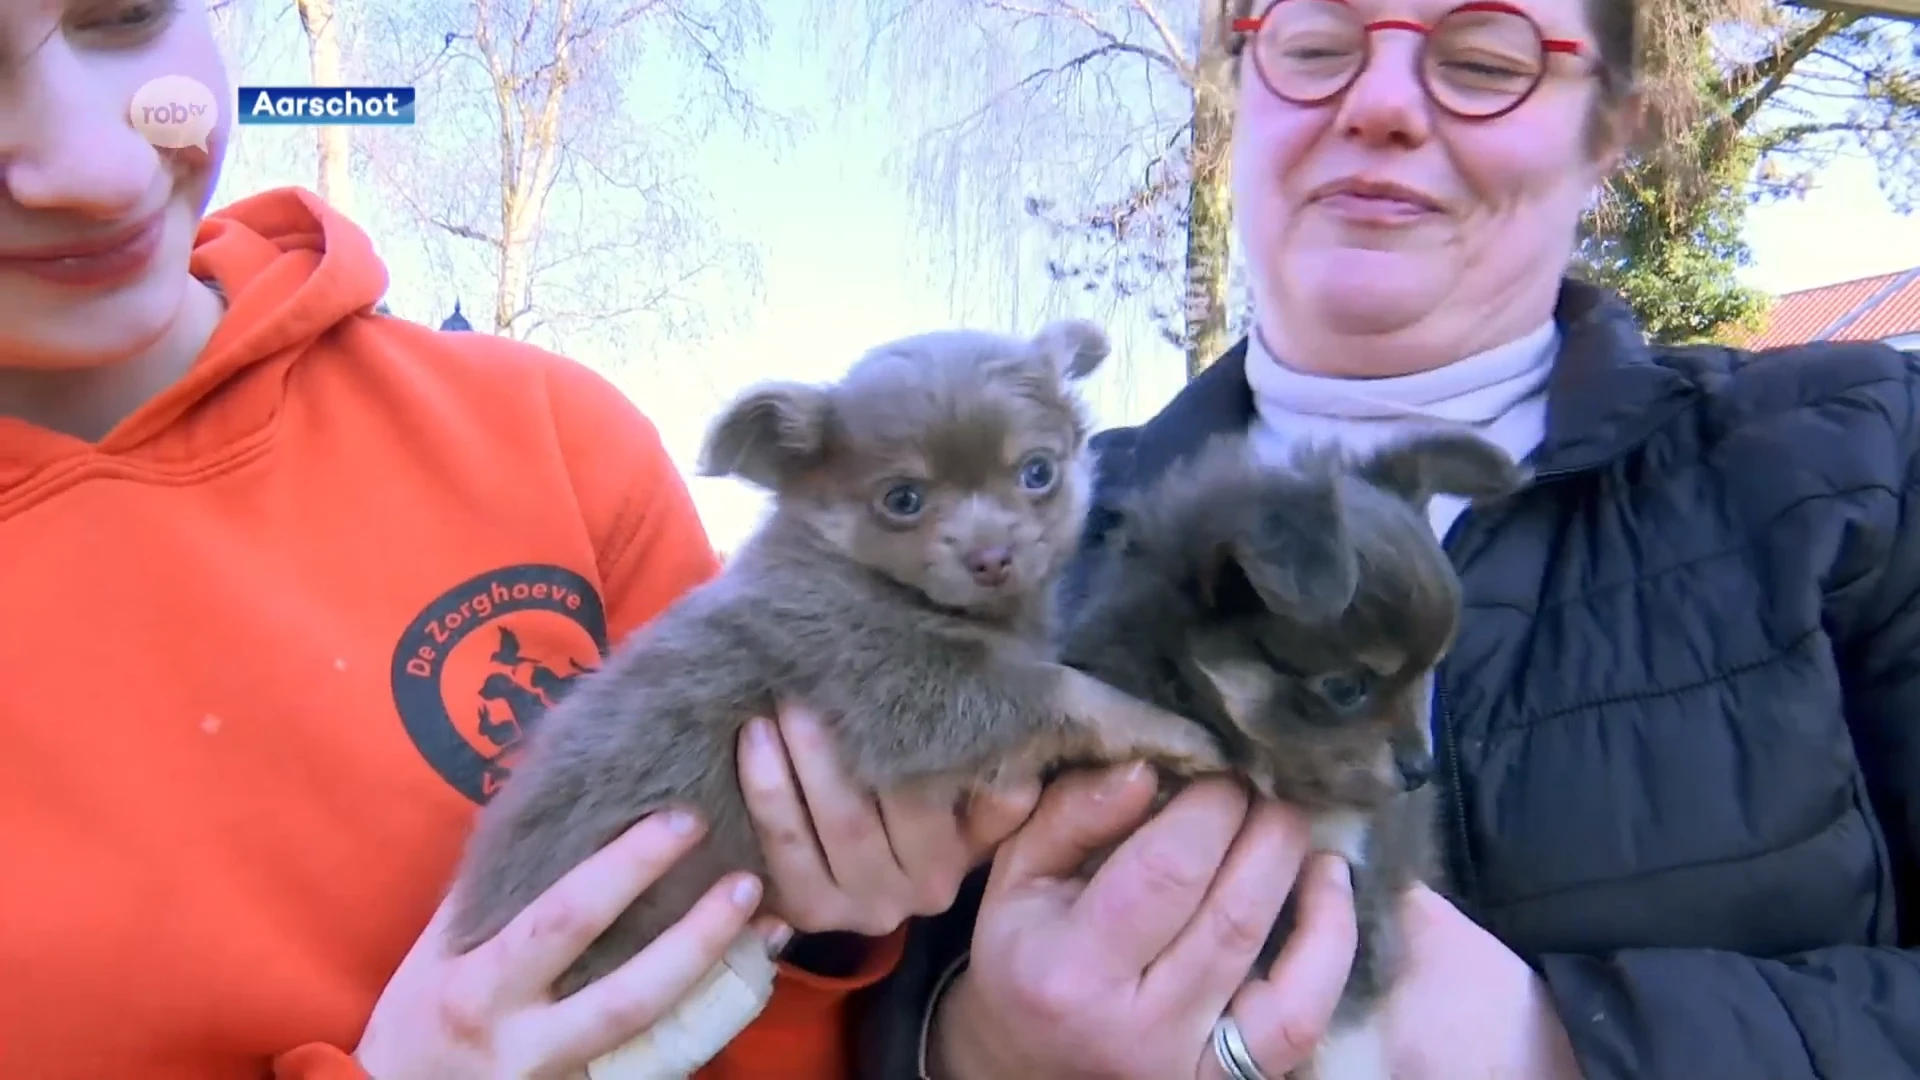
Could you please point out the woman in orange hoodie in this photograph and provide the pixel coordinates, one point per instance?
(282, 581)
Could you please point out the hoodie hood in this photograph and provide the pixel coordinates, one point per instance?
(291, 269)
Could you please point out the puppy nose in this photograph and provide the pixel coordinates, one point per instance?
(990, 566)
(1415, 770)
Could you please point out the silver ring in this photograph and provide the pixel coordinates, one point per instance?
(1230, 1048)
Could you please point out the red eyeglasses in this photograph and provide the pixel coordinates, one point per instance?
(1480, 60)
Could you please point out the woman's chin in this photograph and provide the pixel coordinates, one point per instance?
(90, 331)
(1357, 291)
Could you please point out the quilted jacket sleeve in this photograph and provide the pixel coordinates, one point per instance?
(1848, 1013)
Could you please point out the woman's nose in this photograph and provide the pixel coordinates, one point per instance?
(1386, 105)
(67, 142)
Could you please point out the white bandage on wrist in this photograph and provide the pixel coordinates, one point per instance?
(702, 1024)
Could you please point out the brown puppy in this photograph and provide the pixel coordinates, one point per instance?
(925, 506)
(1298, 612)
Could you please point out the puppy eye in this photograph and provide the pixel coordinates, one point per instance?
(903, 500)
(1037, 472)
(1344, 689)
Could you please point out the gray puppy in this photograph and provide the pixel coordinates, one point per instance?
(925, 506)
(1298, 612)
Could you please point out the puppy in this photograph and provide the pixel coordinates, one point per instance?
(924, 508)
(1298, 612)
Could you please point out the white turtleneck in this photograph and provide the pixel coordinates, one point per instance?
(1500, 394)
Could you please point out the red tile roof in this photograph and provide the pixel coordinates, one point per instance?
(1896, 313)
(1848, 311)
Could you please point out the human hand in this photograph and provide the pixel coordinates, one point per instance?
(1125, 975)
(491, 1013)
(840, 858)
(1465, 1005)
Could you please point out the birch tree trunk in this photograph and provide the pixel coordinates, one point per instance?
(320, 20)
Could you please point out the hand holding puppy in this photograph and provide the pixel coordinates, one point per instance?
(491, 1011)
(841, 858)
(1125, 975)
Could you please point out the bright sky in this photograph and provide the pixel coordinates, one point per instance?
(839, 248)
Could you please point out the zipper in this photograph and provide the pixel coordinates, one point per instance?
(1460, 869)
(1447, 740)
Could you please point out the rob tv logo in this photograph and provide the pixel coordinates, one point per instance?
(174, 112)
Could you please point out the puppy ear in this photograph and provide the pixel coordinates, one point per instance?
(1292, 559)
(1444, 463)
(1076, 346)
(768, 434)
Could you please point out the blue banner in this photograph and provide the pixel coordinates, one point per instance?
(325, 105)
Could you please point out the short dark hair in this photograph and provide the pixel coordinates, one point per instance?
(1616, 35)
(1616, 38)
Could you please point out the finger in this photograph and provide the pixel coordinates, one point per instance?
(530, 952)
(608, 1013)
(433, 937)
(1152, 885)
(1214, 952)
(795, 862)
(1078, 815)
(433, 947)
(924, 832)
(1284, 1016)
(993, 814)
(774, 931)
(846, 818)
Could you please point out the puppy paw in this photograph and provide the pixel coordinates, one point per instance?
(1116, 726)
(1191, 752)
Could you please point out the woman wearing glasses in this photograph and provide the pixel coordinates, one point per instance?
(1679, 730)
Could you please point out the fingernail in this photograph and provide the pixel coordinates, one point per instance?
(681, 823)
(1119, 780)
(1024, 794)
(746, 891)
(1342, 872)
(778, 936)
(760, 730)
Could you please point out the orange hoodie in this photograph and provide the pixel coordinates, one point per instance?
(264, 646)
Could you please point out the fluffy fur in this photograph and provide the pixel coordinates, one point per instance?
(925, 506)
(1298, 612)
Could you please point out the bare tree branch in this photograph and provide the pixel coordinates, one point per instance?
(1753, 85)
(1167, 39)
(1057, 139)
(539, 184)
